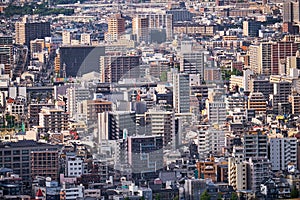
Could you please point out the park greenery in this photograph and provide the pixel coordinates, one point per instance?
(30, 9)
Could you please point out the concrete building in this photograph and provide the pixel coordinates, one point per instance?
(74, 166)
(76, 95)
(162, 123)
(89, 109)
(140, 28)
(121, 124)
(211, 141)
(45, 163)
(250, 28)
(145, 154)
(117, 67)
(258, 103)
(207, 169)
(27, 31)
(181, 93)
(261, 58)
(160, 21)
(238, 170)
(291, 11)
(85, 39)
(255, 145)
(192, 62)
(66, 37)
(283, 152)
(116, 27)
(54, 120)
(18, 156)
(259, 170)
(294, 99)
(262, 85)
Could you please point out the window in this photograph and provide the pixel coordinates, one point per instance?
(25, 151)
(16, 152)
(7, 153)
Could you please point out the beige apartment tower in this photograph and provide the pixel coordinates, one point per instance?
(116, 27)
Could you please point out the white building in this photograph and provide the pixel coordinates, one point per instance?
(74, 167)
(283, 152)
(181, 93)
(75, 95)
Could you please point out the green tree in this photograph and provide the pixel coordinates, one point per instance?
(176, 197)
(219, 197)
(157, 197)
(205, 196)
(294, 192)
(234, 196)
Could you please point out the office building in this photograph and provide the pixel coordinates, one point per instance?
(18, 156)
(117, 67)
(27, 31)
(44, 163)
(283, 152)
(145, 154)
(116, 27)
(181, 93)
(180, 15)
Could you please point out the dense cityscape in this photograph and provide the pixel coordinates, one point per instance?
(156, 99)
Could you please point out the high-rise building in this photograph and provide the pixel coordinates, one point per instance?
(255, 145)
(259, 168)
(53, 119)
(258, 103)
(121, 124)
(6, 54)
(192, 62)
(116, 27)
(283, 152)
(280, 51)
(294, 99)
(250, 28)
(160, 21)
(181, 93)
(116, 67)
(90, 109)
(66, 37)
(161, 123)
(140, 28)
(27, 31)
(85, 39)
(145, 154)
(291, 11)
(75, 95)
(238, 170)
